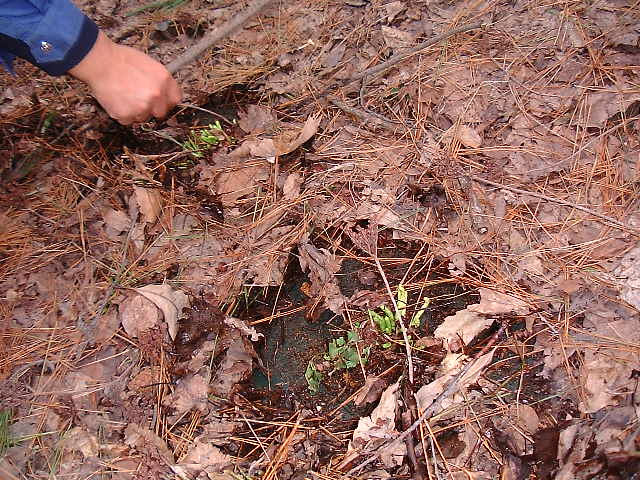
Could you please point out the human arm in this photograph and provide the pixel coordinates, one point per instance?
(55, 36)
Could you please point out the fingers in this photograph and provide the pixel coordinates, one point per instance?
(133, 88)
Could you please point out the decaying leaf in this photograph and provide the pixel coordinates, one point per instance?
(150, 203)
(453, 364)
(374, 430)
(202, 457)
(466, 135)
(519, 423)
(284, 143)
(235, 368)
(138, 315)
(370, 391)
(247, 330)
(465, 325)
(169, 301)
(396, 38)
(144, 440)
(191, 392)
(322, 266)
(257, 119)
(496, 303)
(628, 273)
(291, 188)
(116, 221)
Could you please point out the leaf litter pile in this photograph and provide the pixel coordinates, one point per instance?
(352, 252)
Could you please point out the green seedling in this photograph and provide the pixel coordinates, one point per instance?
(415, 321)
(313, 377)
(342, 354)
(387, 321)
(6, 441)
(202, 141)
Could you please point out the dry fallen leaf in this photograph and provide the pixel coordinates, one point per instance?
(116, 221)
(191, 392)
(138, 315)
(453, 364)
(370, 391)
(169, 301)
(291, 188)
(628, 273)
(496, 303)
(464, 134)
(150, 203)
(374, 430)
(235, 368)
(465, 325)
(241, 325)
(518, 422)
(284, 143)
(202, 457)
(144, 440)
(395, 38)
(257, 119)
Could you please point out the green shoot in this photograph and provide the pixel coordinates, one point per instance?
(313, 377)
(5, 436)
(403, 296)
(415, 321)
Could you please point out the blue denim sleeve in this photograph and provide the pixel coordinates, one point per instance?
(52, 34)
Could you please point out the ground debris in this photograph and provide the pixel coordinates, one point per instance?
(149, 282)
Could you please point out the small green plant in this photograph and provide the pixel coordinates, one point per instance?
(342, 354)
(6, 441)
(387, 320)
(201, 141)
(313, 377)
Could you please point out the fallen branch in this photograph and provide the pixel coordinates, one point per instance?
(217, 35)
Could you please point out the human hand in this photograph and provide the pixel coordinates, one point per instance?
(130, 85)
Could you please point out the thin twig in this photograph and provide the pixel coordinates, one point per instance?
(452, 387)
(377, 69)
(612, 221)
(217, 35)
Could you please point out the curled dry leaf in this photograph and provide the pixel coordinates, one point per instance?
(291, 188)
(519, 422)
(169, 301)
(150, 203)
(235, 368)
(191, 392)
(465, 325)
(116, 221)
(202, 457)
(144, 440)
(496, 303)
(374, 430)
(466, 135)
(241, 325)
(257, 119)
(370, 391)
(138, 315)
(454, 362)
(628, 273)
(396, 38)
(284, 143)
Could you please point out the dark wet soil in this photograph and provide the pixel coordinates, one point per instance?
(293, 341)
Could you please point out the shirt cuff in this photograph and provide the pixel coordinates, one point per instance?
(62, 39)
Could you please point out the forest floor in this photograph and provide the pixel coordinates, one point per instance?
(312, 270)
